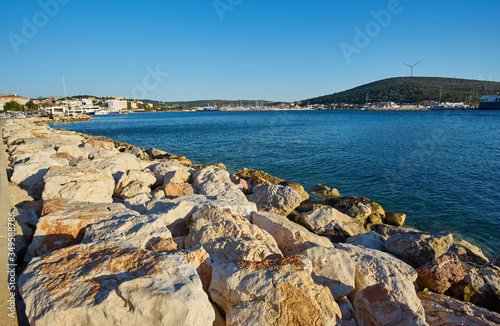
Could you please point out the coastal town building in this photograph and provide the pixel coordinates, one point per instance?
(1, 106)
(116, 105)
(132, 105)
(78, 102)
(58, 111)
(16, 98)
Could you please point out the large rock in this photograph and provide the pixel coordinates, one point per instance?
(283, 198)
(481, 284)
(113, 283)
(418, 248)
(140, 230)
(214, 182)
(131, 149)
(17, 137)
(99, 142)
(138, 202)
(396, 219)
(387, 231)
(134, 182)
(371, 240)
(29, 146)
(331, 223)
(373, 267)
(298, 188)
(115, 165)
(66, 137)
(248, 174)
(440, 273)
(30, 175)
(96, 151)
(359, 207)
(467, 250)
(272, 292)
(291, 238)
(177, 212)
(78, 184)
(378, 305)
(63, 223)
(157, 154)
(444, 311)
(332, 268)
(72, 150)
(174, 189)
(170, 171)
(323, 192)
(229, 237)
(45, 155)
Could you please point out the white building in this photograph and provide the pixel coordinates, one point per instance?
(72, 103)
(1, 106)
(58, 111)
(87, 101)
(117, 105)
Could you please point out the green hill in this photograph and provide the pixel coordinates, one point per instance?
(413, 90)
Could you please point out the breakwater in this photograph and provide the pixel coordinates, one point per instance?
(63, 119)
(121, 234)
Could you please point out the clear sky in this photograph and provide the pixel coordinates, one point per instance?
(176, 50)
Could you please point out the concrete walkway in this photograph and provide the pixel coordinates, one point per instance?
(6, 302)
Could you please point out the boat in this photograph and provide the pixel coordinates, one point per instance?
(489, 102)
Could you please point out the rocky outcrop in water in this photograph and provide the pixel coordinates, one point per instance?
(113, 234)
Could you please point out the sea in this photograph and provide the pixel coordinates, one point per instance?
(441, 168)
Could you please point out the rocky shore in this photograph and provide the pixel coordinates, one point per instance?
(65, 119)
(108, 233)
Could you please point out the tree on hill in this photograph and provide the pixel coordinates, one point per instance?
(13, 106)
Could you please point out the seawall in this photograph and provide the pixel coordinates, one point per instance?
(123, 234)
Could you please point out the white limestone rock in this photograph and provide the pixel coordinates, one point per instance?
(373, 267)
(177, 212)
(215, 182)
(81, 184)
(291, 237)
(332, 268)
(115, 165)
(331, 223)
(140, 230)
(62, 223)
(113, 283)
(134, 182)
(227, 236)
(272, 292)
(283, 198)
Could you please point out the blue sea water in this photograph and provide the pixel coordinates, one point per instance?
(441, 168)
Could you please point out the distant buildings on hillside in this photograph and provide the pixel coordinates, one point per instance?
(16, 98)
(91, 105)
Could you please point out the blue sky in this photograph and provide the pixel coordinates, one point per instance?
(240, 49)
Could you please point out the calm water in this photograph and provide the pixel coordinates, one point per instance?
(440, 168)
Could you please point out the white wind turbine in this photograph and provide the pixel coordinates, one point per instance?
(412, 66)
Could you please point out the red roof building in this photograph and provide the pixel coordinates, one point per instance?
(16, 98)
